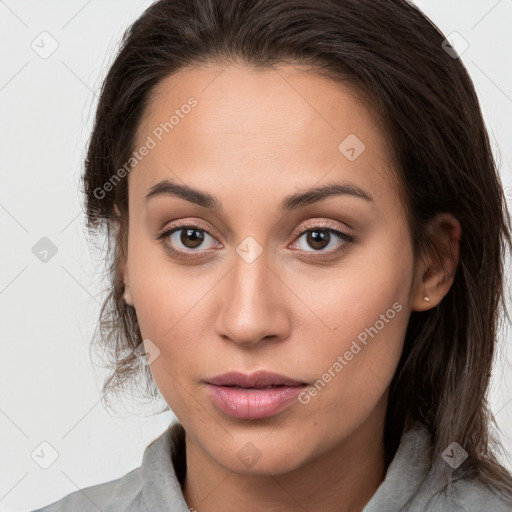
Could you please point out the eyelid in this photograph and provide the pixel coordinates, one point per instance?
(344, 237)
(325, 224)
(195, 224)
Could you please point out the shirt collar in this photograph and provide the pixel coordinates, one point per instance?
(161, 489)
(406, 474)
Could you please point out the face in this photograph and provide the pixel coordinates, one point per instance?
(256, 274)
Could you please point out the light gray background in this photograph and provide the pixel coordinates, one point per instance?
(49, 391)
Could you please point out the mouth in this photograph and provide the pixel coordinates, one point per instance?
(254, 387)
(257, 380)
(255, 396)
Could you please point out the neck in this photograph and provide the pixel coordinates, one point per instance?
(342, 480)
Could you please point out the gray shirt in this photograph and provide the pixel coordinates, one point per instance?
(154, 485)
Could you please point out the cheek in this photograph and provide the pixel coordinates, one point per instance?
(170, 308)
(169, 312)
(360, 323)
(346, 301)
(172, 304)
(360, 329)
(161, 291)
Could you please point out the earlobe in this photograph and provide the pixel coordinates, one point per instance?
(127, 294)
(436, 272)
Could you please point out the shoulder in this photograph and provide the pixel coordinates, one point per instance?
(122, 494)
(152, 486)
(410, 484)
(471, 495)
(461, 495)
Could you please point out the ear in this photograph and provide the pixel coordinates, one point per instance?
(127, 295)
(435, 272)
(127, 292)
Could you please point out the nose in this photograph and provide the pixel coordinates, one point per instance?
(252, 305)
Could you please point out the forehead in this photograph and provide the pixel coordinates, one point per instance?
(260, 128)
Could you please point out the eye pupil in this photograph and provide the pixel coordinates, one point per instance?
(318, 239)
(191, 235)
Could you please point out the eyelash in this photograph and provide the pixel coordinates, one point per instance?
(340, 235)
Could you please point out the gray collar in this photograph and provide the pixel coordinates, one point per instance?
(161, 489)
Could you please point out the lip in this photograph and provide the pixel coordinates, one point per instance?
(259, 379)
(258, 395)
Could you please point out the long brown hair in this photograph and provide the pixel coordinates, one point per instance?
(393, 54)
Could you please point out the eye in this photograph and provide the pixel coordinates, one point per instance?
(321, 237)
(190, 240)
(182, 241)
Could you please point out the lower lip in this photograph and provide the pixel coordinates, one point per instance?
(253, 403)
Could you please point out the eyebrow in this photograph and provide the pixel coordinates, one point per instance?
(291, 202)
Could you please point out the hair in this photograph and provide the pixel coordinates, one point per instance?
(393, 55)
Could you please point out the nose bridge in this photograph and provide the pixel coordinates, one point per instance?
(251, 307)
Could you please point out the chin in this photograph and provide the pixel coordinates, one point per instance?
(251, 457)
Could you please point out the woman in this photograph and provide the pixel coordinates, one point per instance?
(307, 232)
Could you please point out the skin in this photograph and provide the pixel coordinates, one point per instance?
(254, 138)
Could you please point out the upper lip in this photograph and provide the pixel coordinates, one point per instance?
(259, 379)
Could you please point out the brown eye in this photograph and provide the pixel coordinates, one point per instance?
(318, 239)
(322, 239)
(191, 237)
(187, 241)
